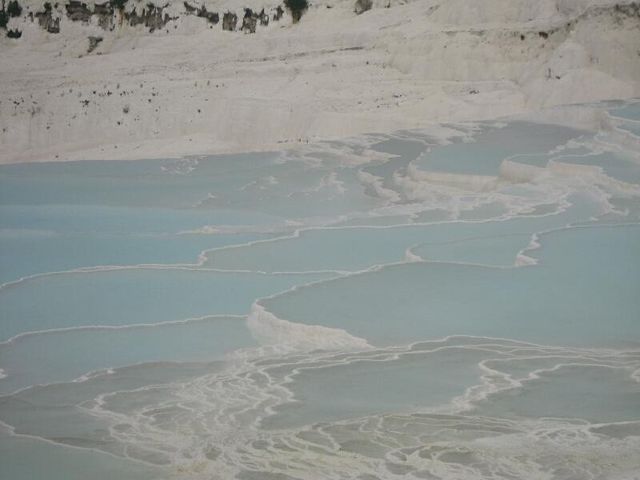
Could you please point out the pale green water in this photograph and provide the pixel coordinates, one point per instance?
(135, 296)
(27, 458)
(494, 251)
(64, 356)
(565, 300)
(436, 313)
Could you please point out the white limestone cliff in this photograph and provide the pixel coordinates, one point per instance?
(107, 87)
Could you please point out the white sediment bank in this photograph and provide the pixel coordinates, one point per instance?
(190, 87)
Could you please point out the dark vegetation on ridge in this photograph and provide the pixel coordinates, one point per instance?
(14, 9)
(297, 8)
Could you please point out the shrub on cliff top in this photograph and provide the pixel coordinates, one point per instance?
(297, 8)
(4, 18)
(118, 4)
(14, 9)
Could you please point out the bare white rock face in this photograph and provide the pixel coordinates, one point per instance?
(127, 80)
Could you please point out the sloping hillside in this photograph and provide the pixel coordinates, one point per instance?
(129, 79)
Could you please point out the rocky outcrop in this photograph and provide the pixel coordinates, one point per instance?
(249, 21)
(278, 13)
(78, 11)
(113, 13)
(264, 18)
(191, 10)
(93, 43)
(211, 17)
(104, 14)
(46, 20)
(152, 17)
(229, 21)
(362, 6)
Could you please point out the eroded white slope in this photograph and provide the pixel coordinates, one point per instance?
(192, 87)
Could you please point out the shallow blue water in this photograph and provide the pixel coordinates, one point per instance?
(559, 301)
(133, 296)
(493, 145)
(630, 111)
(29, 252)
(399, 306)
(64, 356)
